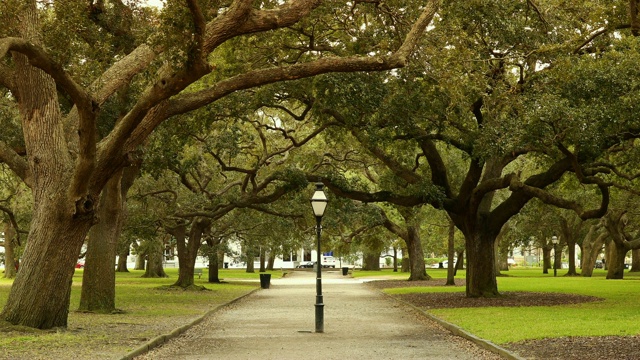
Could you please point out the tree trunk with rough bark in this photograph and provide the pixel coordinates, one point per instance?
(371, 261)
(591, 246)
(617, 254)
(155, 255)
(188, 250)
(215, 262)
(271, 260)
(141, 261)
(63, 207)
(481, 280)
(9, 255)
(416, 255)
(46, 283)
(99, 278)
(404, 264)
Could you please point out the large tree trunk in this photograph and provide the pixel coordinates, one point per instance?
(405, 263)
(271, 260)
(99, 277)
(416, 255)
(481, 279)
(251, 258)
(617, 254)
(371, 261)
(40, 294)
(591, 246)
(141, 259)
(63, 207)
(9, 255)
(155, 255)
(188, 251)
(123, 255)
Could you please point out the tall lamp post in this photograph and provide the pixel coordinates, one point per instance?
(554, 240)
(319, 204)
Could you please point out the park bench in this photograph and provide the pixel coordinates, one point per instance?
(197, 272)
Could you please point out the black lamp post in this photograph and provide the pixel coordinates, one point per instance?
(319, 204)
(554, 240)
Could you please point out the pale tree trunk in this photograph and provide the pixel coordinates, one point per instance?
(501, 261)
(99, 277)
(250, 256)
(404, 265)
(271, 260)
(123, 255)
(591, 246)
(617, 254)
(155, 254)
(416, 255)
(263, 260)
(450, 251)
(129, 175)
(9, 256)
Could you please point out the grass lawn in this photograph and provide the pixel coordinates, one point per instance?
(147, 312)
(618, 314)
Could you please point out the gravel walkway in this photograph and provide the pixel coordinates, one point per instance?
(278, 323)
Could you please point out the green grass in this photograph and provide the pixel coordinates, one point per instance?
(618, 314)
(148, 310)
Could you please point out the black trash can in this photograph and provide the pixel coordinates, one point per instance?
(345, 271)
(265, 280)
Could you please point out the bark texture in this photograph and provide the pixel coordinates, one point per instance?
(99, 278)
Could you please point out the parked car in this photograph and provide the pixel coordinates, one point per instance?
(599, 264)
(80, 265)
(306, 264)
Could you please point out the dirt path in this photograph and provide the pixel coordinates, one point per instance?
(278, 323)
